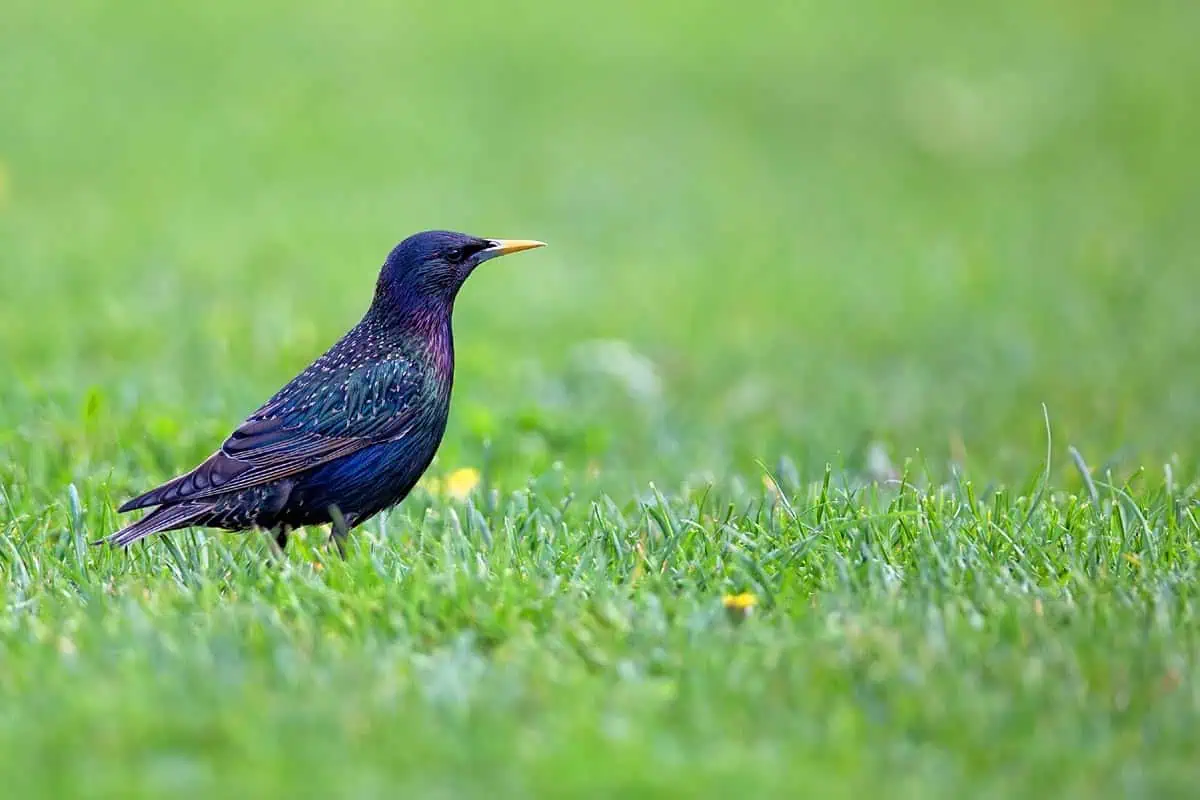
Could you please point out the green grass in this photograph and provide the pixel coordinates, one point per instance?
(883, 314)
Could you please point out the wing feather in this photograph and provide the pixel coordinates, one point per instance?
(328, 412)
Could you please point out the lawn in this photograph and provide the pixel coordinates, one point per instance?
(882, 316)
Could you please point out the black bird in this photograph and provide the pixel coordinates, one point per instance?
(350, 435)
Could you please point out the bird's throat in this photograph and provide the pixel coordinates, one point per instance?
(429, 336)
(439, 341)
(418, 329)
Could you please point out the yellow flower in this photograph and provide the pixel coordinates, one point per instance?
(739, 606)
(460, 482)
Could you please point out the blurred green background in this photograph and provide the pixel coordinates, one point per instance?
(803, 230)
(819, 225)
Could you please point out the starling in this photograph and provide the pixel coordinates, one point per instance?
(350, 435)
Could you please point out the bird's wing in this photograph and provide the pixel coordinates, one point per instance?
(327, 412)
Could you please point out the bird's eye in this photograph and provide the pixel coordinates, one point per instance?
(455, 255)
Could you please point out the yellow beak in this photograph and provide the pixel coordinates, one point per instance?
(502, 247)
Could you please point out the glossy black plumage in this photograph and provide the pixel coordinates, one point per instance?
(351, 434)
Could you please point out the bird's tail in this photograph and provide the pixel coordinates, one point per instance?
(164, 518)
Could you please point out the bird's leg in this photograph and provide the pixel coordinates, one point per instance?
(278, 537)
(268, 515)
(338, 530)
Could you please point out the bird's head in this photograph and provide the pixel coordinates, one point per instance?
(432, 266)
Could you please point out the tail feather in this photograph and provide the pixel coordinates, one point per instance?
(160, 519)
(216, 470)
(154, 497)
